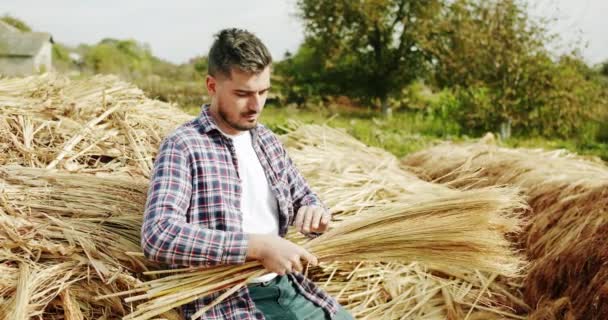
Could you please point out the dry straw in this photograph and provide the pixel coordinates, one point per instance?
(99, 124)
(351, 176)
(66, 239)
(317, 143)
(569, 198)
(67, 236)
(411, 291)
(454, 234)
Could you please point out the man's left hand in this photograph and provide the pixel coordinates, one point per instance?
(312, 219)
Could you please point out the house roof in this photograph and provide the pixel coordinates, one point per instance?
(5, 27)
(16, 43)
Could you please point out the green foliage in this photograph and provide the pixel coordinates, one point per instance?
(493, 56)
(182, 84)
(200, 65)
(302, 77)
(363, 49)
(60, 52)
(415, 96)
(17, 23)
(604, 69)
(61, 58)
(402, 134)
(407, 132)
(125, 57)
(186, 94)
(602, 133)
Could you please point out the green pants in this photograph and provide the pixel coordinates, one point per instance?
(279, 299)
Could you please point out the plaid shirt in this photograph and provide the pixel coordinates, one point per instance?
(193, 216)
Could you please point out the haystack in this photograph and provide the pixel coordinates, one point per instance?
(94, 221)
(69, 234)
(569, 198)
(351, 177)
(66, 236)
(65, 240)
(99, 124)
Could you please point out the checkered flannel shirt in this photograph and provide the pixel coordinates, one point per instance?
(193, 217)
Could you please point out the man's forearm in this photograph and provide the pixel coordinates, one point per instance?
(175, 242)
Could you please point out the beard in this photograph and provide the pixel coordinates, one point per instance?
(234, 123)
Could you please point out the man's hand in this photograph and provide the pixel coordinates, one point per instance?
(277, 254)
(312, 219)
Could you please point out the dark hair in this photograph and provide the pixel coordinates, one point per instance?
(237, 48)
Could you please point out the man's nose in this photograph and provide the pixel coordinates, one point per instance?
(255, 102)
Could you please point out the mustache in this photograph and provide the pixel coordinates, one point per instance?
(250, 113)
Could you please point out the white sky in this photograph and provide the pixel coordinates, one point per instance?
(180, 29)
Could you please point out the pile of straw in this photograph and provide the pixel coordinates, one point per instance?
(65, 240)
(351, 176)
(65, 237)
(92, 221)
(68, 235)
(409, 291)
(569, 198)
(100, 124)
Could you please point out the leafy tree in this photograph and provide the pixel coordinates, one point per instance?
(126, 57)
(494, 57)
(302, 76)
(365, 49)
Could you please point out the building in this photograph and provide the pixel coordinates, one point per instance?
(24, 53)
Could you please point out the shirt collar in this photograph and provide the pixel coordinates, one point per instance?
(207, 123)
(205, 120)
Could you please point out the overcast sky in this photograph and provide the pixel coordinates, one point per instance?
(180, 29)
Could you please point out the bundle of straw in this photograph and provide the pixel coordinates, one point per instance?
(451, 234)
(100, 124)
(569, 197)
(563, 190)
(66, 239)
(62, 214)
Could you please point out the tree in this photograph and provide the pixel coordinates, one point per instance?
(125, 57)
(366, 49)
(494, 57)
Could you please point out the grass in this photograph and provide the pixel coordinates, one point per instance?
(404, 132)
(400, 135)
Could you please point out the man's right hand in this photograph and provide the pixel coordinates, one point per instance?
(277, 254)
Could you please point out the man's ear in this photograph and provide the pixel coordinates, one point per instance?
(211, 83)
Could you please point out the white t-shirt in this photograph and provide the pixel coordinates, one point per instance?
(258, 203)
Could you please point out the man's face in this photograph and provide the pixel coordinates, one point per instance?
(236, 102)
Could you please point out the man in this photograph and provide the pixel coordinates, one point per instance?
(224, 191)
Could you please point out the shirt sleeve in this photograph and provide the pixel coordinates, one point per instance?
(166, 236)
